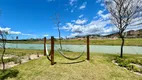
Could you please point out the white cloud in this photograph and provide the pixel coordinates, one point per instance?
(9, 30)
(100, 12)
(5, 29)
(73, 34)
(81, 16)
(100, 25)
(83, 6)
(14, 32)
(102, 4)
(94, 27)
(72, 10)
(98, 1)
(79, 21)
(71, 2)
(103, 16)
(50, 0)
(45, 35)
(27, 34)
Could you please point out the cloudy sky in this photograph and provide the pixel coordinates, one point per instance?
(35, 18)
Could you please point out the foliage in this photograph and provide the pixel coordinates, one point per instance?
(14, 59)
(8, 73)
(3, 37)
(126, 62)
(124, 13)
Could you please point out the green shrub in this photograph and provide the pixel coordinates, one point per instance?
(9, 60)
(139, 62)
(8, 73)
(136, 69)
(123, 64)
(130, 67)
(119, 60)
(132, 60)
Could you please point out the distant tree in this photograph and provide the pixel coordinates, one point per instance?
(16, 41)
(124, 13)
(3, 38)
(56, 20)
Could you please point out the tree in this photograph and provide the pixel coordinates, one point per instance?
(124, 13)
(3, 39)
(56, 20)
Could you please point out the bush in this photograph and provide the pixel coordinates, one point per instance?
(130, 67)
(9, 60)
(119, 60)
(8, 73)
(136, 69)
(125, 62)
(122, 62)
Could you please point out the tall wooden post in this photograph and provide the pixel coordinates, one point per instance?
(44, 46)
(52, 50)
(88, 49)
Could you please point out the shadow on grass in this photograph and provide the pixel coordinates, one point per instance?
(8, 73)
(75, 62)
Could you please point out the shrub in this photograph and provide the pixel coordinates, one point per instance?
(119, 60)
(9, 60)
(123, 64)
(136, 69)
(130, 67)
(8, 73)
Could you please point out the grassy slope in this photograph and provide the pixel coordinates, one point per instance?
(99, 68)
(128, 42)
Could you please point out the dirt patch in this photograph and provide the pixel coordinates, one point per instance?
(8, 56)
(8, 65)
(23, 60)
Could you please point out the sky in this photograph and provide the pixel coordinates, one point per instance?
(35, 18)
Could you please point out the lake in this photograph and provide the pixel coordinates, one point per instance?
(81, 48)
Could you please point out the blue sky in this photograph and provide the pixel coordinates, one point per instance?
(32, 18)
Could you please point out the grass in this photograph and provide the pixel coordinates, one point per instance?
(18, 54)
(100, 67)
(127, 62)
(8, 73)
(14, 59)
(128, 42)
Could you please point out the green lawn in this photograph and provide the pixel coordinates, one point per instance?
(128, 42)
(100, 67)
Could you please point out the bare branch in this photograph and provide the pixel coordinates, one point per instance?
(124, 13)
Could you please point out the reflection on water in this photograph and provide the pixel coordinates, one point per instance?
(81, 48)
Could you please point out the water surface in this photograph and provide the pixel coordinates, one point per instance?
(81, 48)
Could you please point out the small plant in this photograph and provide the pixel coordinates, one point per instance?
(8, 73)
(9, 60)
(3, 41)
(29, 57)
(125, 62)
(19, 60)
(37, 54)
(136, 69)
(130, 67)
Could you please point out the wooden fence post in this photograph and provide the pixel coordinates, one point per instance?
(52, 50)
(44, 46)
(88, 49)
